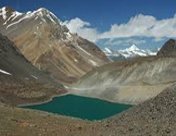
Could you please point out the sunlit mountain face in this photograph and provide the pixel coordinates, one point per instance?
(49, 45)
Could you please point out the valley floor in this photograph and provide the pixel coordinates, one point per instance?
(153, 117)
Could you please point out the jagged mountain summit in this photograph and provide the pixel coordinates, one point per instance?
(131, 52)
(48, 45)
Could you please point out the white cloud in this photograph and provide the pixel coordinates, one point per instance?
(82, 28)
(124, 41)
(139, 25)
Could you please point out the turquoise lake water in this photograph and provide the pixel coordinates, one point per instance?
(81, 107)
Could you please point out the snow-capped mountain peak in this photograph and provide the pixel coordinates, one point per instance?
(6, 12)
(48, 44)
(44, 12)
(132, 51)
(3, 13)
(133, 48)
(11, 17)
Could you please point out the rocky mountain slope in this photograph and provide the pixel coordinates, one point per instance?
(155, 117)
(127, 53)
(20, 81)
(132, 81)
(49, 45)
(168, 49)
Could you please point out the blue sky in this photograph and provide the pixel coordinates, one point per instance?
(100, 13)
(103, 17)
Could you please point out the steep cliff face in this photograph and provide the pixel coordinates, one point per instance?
(49, 45)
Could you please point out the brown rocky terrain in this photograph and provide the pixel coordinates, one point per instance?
(48, 45)
(168, 49)
(20, 81)
(155, 117)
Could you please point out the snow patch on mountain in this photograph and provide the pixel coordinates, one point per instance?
(35, 77)
(83, 50)
(5, 72)
(3, 13)
(108, 50)
(93, 62)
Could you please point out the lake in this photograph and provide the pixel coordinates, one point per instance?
(81, 107)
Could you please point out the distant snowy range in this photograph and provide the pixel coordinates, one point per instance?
(127, 48)
(128, 53)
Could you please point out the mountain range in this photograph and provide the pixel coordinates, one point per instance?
(131, 52)
(40, 58)
(48, 45)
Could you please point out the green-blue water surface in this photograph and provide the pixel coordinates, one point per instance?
(81, 107)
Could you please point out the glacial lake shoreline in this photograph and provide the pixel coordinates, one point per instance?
(79, 107)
